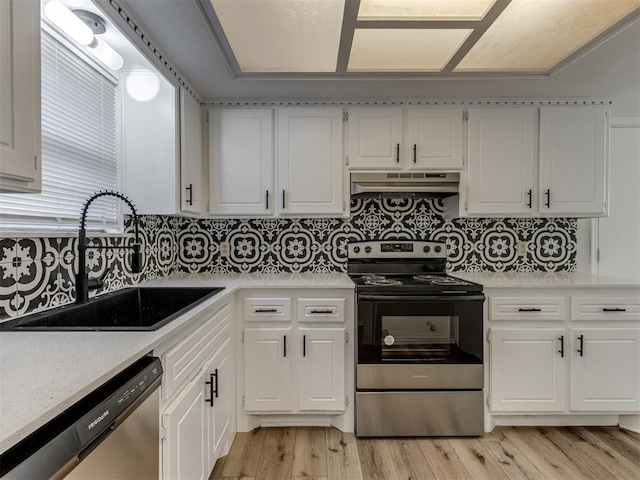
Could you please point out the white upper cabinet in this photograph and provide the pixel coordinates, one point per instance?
(192, 198)
(20, 144)
(241, 161)
(573, 161)
(431, 138)
(501, 146)
(435, 138)
(375, 138)
(310, 168)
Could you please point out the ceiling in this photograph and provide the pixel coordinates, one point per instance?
(604, 62)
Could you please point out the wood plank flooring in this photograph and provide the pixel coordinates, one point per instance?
(507, 453)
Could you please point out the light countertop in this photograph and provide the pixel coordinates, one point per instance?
(44, 373)
(545, 280)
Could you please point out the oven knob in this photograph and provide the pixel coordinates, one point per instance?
(367, 249)
(426, 249)
(356, 249)
(438, 249)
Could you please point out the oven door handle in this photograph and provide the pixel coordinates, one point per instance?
(421, 298)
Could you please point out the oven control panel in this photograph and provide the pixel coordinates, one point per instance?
(397, 249)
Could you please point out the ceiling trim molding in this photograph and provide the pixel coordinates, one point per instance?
(214, 27)
(511, 102)
(132, 28)
(419, 24)
(349, 19)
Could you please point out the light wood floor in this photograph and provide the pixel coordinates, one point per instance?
(553, 453)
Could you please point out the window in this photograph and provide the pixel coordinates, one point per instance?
(79, 147)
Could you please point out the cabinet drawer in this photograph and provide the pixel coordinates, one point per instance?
(526, 308)
(188, 356)
(259, 309)
(605, 308)
(321, 309)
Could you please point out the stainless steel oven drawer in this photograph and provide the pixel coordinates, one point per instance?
(414, 414)
(419, 376)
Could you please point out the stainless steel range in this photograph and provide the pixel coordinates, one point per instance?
(420, 342)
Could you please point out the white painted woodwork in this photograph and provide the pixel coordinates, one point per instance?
(323, 310)
(528, 374)
(267, 309)
(150, 143)
(267, 369)
(618, 234)
(573, 161)
(241, 162)
(605, 308)
(321, 369)
(20, 142)
(190, 354)
(501, 159)
(310, 161)
(437, 134)
(526, 308)
(375, 138)
(606, 377)
(184, 450)
(221, 417)
(192, 197)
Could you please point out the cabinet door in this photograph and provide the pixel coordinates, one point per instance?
(20, 160)
(435, 138)
(321, 369)
(573, 159)
(605, 375)
(191, 195)
(221, 417)
(501, 161)
(267, 364)
(241, 161)
(184, 450)
(528, 370)
(375, 138)
(310, 161)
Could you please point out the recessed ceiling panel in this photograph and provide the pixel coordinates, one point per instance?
(423, 9)
(282, 36)
(398, 50)
(535, 35)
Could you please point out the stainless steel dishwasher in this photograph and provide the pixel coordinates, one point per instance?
(112, 433)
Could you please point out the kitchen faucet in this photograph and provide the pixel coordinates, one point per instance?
(83, 283)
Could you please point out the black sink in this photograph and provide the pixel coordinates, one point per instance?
(135, 308)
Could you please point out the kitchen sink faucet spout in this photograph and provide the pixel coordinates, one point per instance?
(83, 284)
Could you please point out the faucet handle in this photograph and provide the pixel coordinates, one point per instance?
(95, 283)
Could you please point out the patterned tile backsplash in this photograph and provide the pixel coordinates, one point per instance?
(38, 273)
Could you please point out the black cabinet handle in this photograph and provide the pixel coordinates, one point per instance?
(285, 345)
(548, 195)
(397, 153)
(304, 345)
(267, 199)
(189, 200)
(614, 309)
(530, 194)
(415, 154)
(321, 311)
(529, 309)
(283, 198)
(216, 382)
(581, 349)
(266, 310)
(561, 351)
(211, 387)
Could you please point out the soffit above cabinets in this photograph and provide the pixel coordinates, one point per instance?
(382, 38)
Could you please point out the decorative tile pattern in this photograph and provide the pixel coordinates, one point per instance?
(36, 273)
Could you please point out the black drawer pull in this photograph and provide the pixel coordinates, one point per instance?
(530, 194)
(581, 349)
(212, 393)
(304, 345)
(529, 309)
(189, 189)
(321, 311)
(266, 310)
(561, 351)
(548, 195)
(614, 309)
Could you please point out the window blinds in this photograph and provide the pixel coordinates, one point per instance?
(79, 147)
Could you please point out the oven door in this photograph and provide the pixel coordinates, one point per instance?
(409, 329)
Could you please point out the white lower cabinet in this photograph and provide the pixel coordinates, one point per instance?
(528, 372)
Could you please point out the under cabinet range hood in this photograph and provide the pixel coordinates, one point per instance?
(403, 184)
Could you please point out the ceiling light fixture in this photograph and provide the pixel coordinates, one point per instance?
(83, 26)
